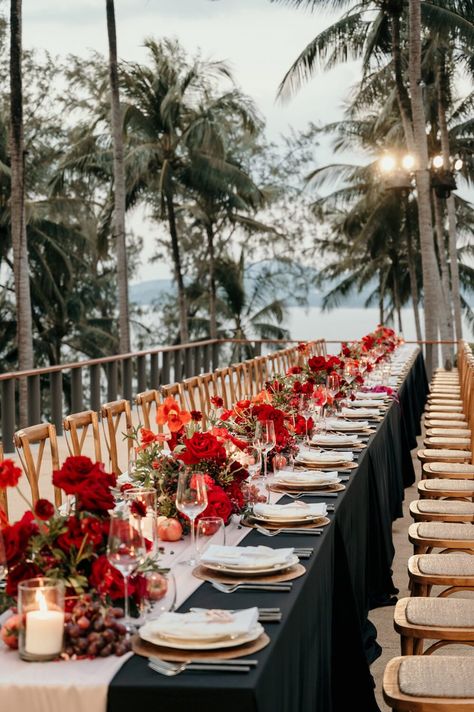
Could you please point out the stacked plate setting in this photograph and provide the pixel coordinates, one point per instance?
(248, 560)
(294, 514)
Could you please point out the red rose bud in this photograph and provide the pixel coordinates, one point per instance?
(44, 509)
(138, 508)
(9, 474)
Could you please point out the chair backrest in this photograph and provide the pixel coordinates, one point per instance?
(3, 492)
(78, 425)
(146, 401)
(117, 422)
(176, 391)
(191, 389)
(223, 381)
(240, 384)
(208, 387)
(32, 462)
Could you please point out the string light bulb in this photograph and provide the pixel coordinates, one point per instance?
(408, 162)
(438, 161)
(387, 163)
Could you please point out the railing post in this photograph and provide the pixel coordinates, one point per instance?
(188, 363)
(34, 399)
(77, 400)
(215, 355)
(196, 360)
(57, 401)
(206, 358)
(177, 365)
(112, 381)
(154, 371)
(141, 374)
(127, 375)
(8, 414)
(94, 372)
(165, 369)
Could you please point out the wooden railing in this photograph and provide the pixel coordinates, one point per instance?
(78, 385)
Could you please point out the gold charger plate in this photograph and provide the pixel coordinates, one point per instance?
(205, 574)
(342, 448)
(253, 523)
(283, 487)
(146, 649)
(329, 467)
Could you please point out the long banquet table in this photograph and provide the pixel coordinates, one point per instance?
(318, 657)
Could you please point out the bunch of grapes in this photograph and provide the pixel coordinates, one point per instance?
(94, 631)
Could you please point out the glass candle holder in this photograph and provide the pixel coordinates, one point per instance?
(41, 606)
(147, 496)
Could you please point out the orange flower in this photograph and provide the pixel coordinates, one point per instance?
(170, 414)
(262, 397)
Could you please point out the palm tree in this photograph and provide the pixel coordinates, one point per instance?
(17, 203)
(119, 183)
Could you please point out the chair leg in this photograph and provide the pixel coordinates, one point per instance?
(418, 646)
(406, 645)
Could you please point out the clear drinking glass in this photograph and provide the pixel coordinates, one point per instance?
(251, 459)
(160, 594)
(3, 562)
(266, 439)
(41, 606)
(209, 530)
(146, 497)
(125, 547)
(191, 500)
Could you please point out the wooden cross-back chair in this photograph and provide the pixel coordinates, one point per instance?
(223, 381)
(76, 427)
(146, 402)
(272, 365)
(191, 390)
(39, 435)
(3, 492)
(240, 384)
(117, 422)
(175, 390)
(208, 387)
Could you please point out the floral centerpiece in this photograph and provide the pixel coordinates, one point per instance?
(160, 458)
(71, 546)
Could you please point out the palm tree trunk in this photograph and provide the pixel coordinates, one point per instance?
(442, 91)
(428, 256)
(396, 300)
(178, 271)
(412, 272)
(24, 330)
(381, 297)
(119, 184)
(453, 258)
(403, 99)
(446, 323)
(212, 282)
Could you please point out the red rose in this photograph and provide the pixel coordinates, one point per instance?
(73, 473)
(22, 571)
(196, 415)
(201, 446)
(44, 509)
(236, 496)
(9, 474)
(294, 371)
(73, 536)
(93, 528)
(95, 495)
(106, 579)
(138, 508)
(217, 401)
(218, 504)
(16, 537)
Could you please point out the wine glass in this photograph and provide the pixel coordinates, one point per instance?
(209, 530)
(251, 460)
(125, 547)
(333, 385)
(160, 594)
(266, 439)
(3, 562)
(306, 411)
(191, 500)
(146, 497)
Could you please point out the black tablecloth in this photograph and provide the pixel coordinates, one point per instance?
(318, 658)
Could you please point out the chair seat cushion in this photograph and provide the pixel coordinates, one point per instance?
(443, 612)
(449, 432)
(446, 407)
(460, 468)
(448, 440)
(444, 506)
(440, 454)
(445, 530)
(438, 483)
(443, 676)
(434, 423)
(443, 415)
(446, 564)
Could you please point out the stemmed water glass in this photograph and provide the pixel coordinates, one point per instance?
(333, 384)
(265, 439)
(125, 547)
(306, 410)
(350, 373)
(191, 500)
(3, 562)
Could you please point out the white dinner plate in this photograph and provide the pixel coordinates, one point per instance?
(238, 570)
(146, 633)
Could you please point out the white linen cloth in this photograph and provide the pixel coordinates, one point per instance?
(362, 395)
(309, 456)
(248, 557)
(199, 624)
(334, 439)
(360, 411)
(295, 510)
(364, 403)
(306, 477)
(72, 686)
(338, 424)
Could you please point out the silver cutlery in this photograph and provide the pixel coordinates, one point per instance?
(171, 670)
(275, 532)
(231, 588)
(317, 493)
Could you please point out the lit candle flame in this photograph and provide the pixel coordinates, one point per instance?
(41, 601)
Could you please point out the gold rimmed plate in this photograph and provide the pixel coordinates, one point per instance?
(212, 643)
(297, 488)
(249, 521)
(251, 571)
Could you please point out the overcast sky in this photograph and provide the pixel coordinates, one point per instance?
(258, 39)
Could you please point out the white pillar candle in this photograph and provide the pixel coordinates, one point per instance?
(44, 629)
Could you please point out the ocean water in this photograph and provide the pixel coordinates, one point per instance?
(347, 323)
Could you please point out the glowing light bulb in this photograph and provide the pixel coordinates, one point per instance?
(387, 163)
(438, 162)
(408, 162)
(458, 164)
